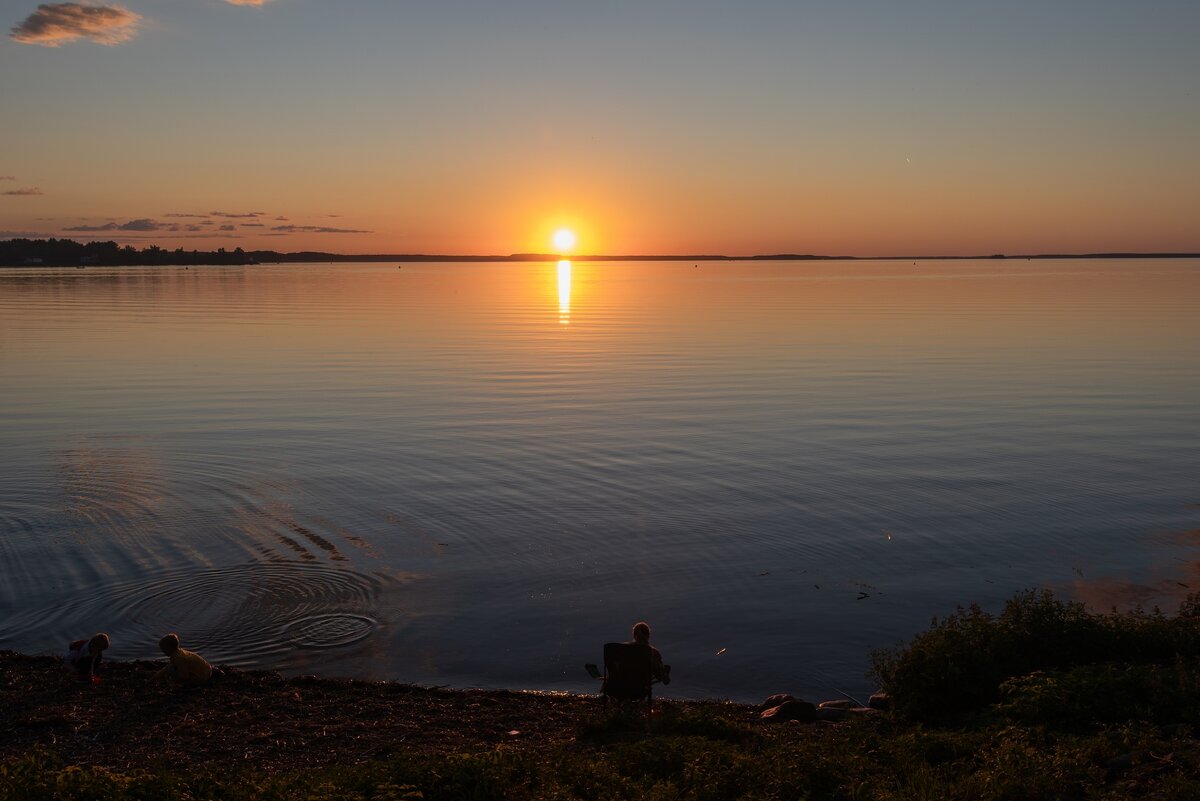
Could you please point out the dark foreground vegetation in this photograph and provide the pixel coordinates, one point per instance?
(1042, 701)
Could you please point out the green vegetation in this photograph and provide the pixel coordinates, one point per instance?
(1043, 701)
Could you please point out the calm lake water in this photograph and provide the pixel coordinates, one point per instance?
(476, 474)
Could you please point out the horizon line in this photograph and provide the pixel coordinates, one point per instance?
(552, 257)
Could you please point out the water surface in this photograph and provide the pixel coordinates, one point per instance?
(476, 474)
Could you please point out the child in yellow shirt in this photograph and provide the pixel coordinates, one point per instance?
(185, 668)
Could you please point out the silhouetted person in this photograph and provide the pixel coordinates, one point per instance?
(185, 668)
(641, 637)
(83, 656)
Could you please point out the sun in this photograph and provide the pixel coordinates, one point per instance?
(564, 239)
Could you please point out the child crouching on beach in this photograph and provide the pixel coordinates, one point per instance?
(185, 668)
(83, 656)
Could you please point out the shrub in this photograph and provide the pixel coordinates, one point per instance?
(1091, 695)
(956, 668)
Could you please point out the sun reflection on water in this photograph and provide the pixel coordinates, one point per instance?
(564, 291)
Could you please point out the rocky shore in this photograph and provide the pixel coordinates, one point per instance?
(261, 720)
(1043, 700)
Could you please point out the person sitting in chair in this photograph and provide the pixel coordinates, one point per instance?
(641, 637)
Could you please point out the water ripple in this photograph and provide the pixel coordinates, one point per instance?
(246, 615)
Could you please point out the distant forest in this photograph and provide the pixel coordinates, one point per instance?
(69, 253)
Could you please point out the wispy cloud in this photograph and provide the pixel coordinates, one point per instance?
(143, 224)
(317, 229)
(105, 227)
(247, 2)
(25, 235)
(197, 216)
(29, 190)
(54, 24)
(8, 177)
(151, 238)
(235, 215)
(253, 225)
(228, 227)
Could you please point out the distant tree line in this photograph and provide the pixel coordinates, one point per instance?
(68, 253)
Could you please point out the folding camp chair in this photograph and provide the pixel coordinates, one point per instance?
(627, 676)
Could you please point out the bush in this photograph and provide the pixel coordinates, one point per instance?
(956, 668)
(1091, 695)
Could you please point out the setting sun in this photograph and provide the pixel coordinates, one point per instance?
(564, 239)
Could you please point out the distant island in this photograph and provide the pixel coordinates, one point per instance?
(69, 253)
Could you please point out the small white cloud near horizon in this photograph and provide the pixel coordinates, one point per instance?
(54, 24)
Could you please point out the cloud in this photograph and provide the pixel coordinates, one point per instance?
(105, 227)
(247, 2)
(25, 235)
(56, 23)
(253, 225)
(228, 227)
(151, 238)
(142, 224)
(8, 178)
(235, 215)
(317, 229)
(29, 190)
(197, 216)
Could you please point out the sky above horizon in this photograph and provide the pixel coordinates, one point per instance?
(474, 126)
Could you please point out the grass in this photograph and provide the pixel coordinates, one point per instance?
(855, 761)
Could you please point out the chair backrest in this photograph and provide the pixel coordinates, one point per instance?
(627, 672)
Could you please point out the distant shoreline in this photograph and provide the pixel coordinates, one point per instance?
(69, 253)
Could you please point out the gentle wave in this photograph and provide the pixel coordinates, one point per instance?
(788, 464)
(245, 615)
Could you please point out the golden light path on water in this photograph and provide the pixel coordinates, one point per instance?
(564, 291)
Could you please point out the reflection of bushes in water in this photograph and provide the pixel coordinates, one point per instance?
(957, 667)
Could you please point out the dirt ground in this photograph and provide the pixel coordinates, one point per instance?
(261, 720)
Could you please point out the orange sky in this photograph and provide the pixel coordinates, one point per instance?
(683, 128)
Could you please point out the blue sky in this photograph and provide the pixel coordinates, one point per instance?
(864, 127)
